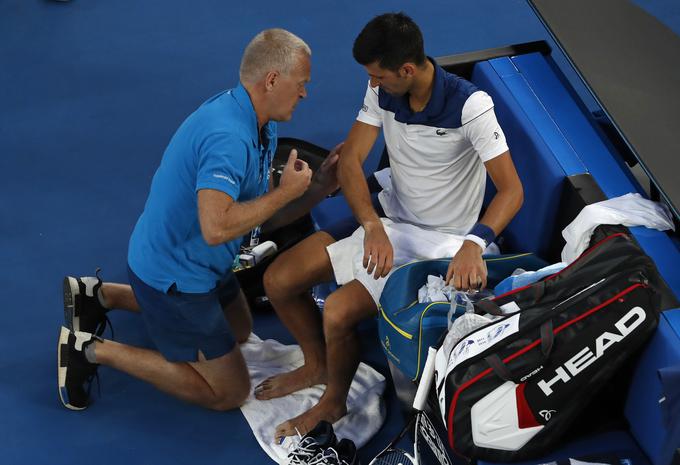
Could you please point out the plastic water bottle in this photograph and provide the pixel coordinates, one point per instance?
(321, 291)
(463, 302)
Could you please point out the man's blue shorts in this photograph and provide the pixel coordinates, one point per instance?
(180, 324)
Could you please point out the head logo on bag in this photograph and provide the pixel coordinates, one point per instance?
(586, 356)
(547, 414)
(509, 395)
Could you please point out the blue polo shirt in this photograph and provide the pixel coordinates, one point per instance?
(216, 147)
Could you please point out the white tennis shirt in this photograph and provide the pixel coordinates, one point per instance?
(437, 155)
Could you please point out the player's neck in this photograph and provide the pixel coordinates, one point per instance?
(420, 93)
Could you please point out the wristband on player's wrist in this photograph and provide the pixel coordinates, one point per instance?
(481, 234)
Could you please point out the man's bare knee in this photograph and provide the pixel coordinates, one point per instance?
(299, 268)
(345, 308)
(243, 336)
(226, 383)
(337, 318)
(235, 398)
(274, 280)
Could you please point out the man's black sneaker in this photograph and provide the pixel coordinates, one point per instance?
(344, 453)
(313, 444)
(74, 373)
(82, 309)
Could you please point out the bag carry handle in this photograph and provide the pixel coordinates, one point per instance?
(491, 307)
(501, 369)
(488, 306)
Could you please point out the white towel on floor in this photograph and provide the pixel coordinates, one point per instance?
(366, 410)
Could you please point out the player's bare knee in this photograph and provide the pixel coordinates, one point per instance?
(275, 281)
(336, 318)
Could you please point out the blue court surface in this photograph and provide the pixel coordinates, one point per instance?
(90, 93)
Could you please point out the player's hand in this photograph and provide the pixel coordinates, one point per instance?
(378, 252)
(326, 178)
(467, 271)
(296, 176)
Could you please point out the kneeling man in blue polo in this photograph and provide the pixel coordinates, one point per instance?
(211, 188)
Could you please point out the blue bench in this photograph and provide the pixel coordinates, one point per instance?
(552, 137)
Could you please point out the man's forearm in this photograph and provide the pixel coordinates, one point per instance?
(243, 217)
(354, 187)
(502, 209)
(295, 209)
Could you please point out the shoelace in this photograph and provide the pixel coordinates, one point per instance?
(306, 451)
(329, 456)
(102, 326)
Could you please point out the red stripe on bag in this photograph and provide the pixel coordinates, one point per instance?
(552, 276)
(481, 375)
(587, 252)
(525, 417)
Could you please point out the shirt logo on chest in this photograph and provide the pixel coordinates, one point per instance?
(441, 132)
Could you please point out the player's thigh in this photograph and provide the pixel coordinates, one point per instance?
(348, 306)
(300, 267)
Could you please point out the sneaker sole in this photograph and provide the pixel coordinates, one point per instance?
(61, 371)
(71, 289)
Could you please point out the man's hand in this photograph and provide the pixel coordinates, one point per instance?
(296, 176)
(378, 253)
(326, 178)
(467, 268)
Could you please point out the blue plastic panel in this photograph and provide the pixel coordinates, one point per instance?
(535, 111)
(611, 174)
(618, 442)
(533, 139)
(575, 126)
(642, 407)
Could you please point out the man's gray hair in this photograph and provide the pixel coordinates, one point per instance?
(271, 50)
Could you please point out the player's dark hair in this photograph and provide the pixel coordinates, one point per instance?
(391, 40)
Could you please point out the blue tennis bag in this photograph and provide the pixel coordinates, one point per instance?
(407, 328)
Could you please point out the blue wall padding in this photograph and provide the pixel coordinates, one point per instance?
(642, 407)
(609, 171)
(532, 138)
(575, 125)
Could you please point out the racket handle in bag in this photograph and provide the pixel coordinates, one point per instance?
(425, 381)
